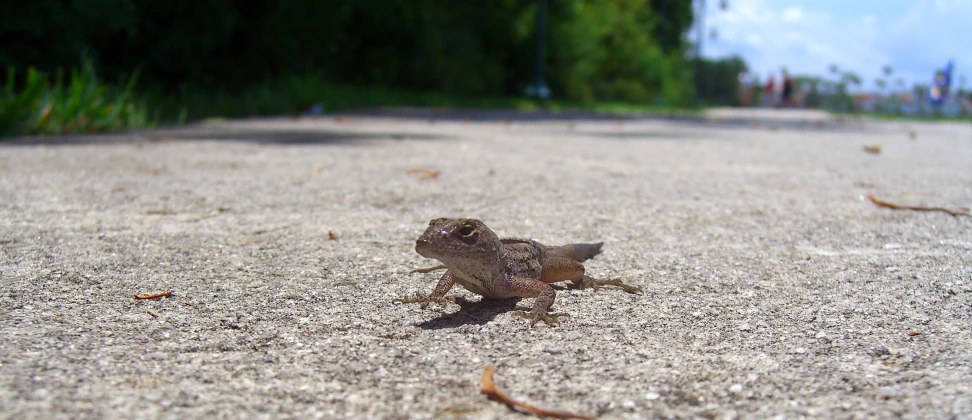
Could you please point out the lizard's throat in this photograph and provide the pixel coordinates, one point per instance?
(477, 278)
(480, 284)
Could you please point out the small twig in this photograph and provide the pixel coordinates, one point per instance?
(873, 149)
(166, 293)
(160, 212)
(609, 171)
(427, 270)
(882, 203)
(425, 173)
(489, 388)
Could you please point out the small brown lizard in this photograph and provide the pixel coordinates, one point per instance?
(481, 262)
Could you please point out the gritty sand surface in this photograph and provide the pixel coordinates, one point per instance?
(773, 288)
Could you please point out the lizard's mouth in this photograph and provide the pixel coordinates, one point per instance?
(423, 246)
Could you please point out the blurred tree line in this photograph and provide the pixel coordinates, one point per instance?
(717, 80)
(631, 50)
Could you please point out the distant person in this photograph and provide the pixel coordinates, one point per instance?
(786, 97)
(746, 82)
(769, 93)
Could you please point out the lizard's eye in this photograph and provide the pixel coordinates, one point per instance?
(466, 230)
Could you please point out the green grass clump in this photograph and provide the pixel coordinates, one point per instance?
(82, 104)
(296, 94)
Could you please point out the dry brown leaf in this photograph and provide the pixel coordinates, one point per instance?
(489, 388)
(153, 295)
(331, 236)
(873, 148)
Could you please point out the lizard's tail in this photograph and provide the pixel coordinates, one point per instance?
(580, 252)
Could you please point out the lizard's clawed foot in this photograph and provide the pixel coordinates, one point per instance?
(426, 300)
(534, 317)
(596, 284)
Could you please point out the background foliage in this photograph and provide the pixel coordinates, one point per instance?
(597, 49)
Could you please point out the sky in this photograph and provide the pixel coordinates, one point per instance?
(914, 37)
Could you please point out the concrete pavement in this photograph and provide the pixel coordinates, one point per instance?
(773, 287)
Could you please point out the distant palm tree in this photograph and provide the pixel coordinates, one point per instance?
(920, 90)
(880, 83)
(900, 84)
(889, 94)
(851, 78)
(962, 96)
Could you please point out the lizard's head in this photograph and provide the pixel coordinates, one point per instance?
(458, 240)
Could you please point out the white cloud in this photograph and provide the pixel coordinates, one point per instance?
(929, 34)
(793, 15)
(769, 34)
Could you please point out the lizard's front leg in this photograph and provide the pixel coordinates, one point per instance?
(438, 294)
(544, 294)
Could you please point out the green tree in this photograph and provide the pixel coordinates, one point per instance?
(605, 50)
(674, 17)
(718, 80)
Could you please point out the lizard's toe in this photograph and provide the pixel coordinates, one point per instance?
(534, 317)
(596, 284)
(424, 301)
(427, 270)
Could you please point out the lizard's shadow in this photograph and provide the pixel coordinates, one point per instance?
(472, 313)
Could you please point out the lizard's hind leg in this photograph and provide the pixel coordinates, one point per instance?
(565, 269)
(589, 281)
(555, 269)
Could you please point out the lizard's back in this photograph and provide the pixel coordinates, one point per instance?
(522, 258)
(576, 252)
